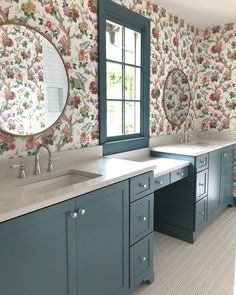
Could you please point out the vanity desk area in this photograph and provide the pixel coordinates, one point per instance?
(184, 208)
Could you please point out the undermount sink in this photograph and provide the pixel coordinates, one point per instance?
(200, 144)
(56, 181)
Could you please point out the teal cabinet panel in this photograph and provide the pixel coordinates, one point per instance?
(141, 261)
(38, 253)
(141, 186)
(141, 218)
(227, 167)
(179, 174)
(202, 162)
(201, 184)
(161, 181)
(201, 214)
(214, 183)
(103, 241)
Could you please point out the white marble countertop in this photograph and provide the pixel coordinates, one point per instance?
(195, 148)
(17, 200)
(161, 165)
(164, 165)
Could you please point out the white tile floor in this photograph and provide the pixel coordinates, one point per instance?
(204, 268)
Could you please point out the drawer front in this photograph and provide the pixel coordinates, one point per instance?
(141, 261)
(201, 184)
(179, 174)
(201, 213)
(202, 162)
(141, 186)
(141, 218)
(161, 181)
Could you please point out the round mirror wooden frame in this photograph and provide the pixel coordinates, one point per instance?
(176, 97)
(34, 83)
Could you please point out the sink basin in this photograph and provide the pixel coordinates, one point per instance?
(199, 144)
(59, 180)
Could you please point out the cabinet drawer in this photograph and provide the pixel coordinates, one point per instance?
(202, 162)
(161, 181)
(179, 174)
(141, 186)
(201, 184)
(141, 261)
(141, 218)
(200, 213)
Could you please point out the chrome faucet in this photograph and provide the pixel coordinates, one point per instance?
(37, 169)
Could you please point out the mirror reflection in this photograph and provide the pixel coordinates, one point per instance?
(33, 81)
(176, 97)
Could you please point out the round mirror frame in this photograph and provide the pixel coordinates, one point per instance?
(68, 83)
(163, 99)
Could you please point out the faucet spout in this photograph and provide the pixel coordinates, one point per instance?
(37, 169)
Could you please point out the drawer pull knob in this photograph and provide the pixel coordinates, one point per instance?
(203, 212)
(143, 185)
(160, 182)
(142, 259)
(225, 154)
(73, 215)
(143, 218)
(202, 162)
(201, 184)
(180, 173)
(81, 211)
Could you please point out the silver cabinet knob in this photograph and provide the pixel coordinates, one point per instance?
(142, 259)
(143, 185)
(202, 162)
(73, 215)
(180, 173)
(143, 218)
(225, 154)
(201, 184)
(82, 211)
(203, 212)
(160, 182)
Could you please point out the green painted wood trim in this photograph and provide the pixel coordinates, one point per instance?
(119, 14)
(120, 146)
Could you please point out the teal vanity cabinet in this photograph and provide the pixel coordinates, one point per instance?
(102, 235)
(98, 243)
(183, 209)
(78, 247)
(37, 253)
(141, 229)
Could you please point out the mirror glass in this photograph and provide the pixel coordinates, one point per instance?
(33, 81)
(176, 97)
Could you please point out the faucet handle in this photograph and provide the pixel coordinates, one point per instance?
(22, 169)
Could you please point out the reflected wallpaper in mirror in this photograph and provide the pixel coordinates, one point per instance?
(176, 97)
(33, 81)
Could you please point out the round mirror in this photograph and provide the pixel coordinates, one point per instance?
(33, 81)
(176, 97)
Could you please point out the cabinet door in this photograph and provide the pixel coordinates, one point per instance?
(227, 166)
(103, 241)
(214, 177)
(200, 214)
(37, 253)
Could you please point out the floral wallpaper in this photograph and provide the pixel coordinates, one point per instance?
(207, 57)
(72, 27)
(215, 100)
(21, 80)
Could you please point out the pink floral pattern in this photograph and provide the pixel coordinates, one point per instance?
(21, 80)
(207, 57)
(72, 27)
(215, 100)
